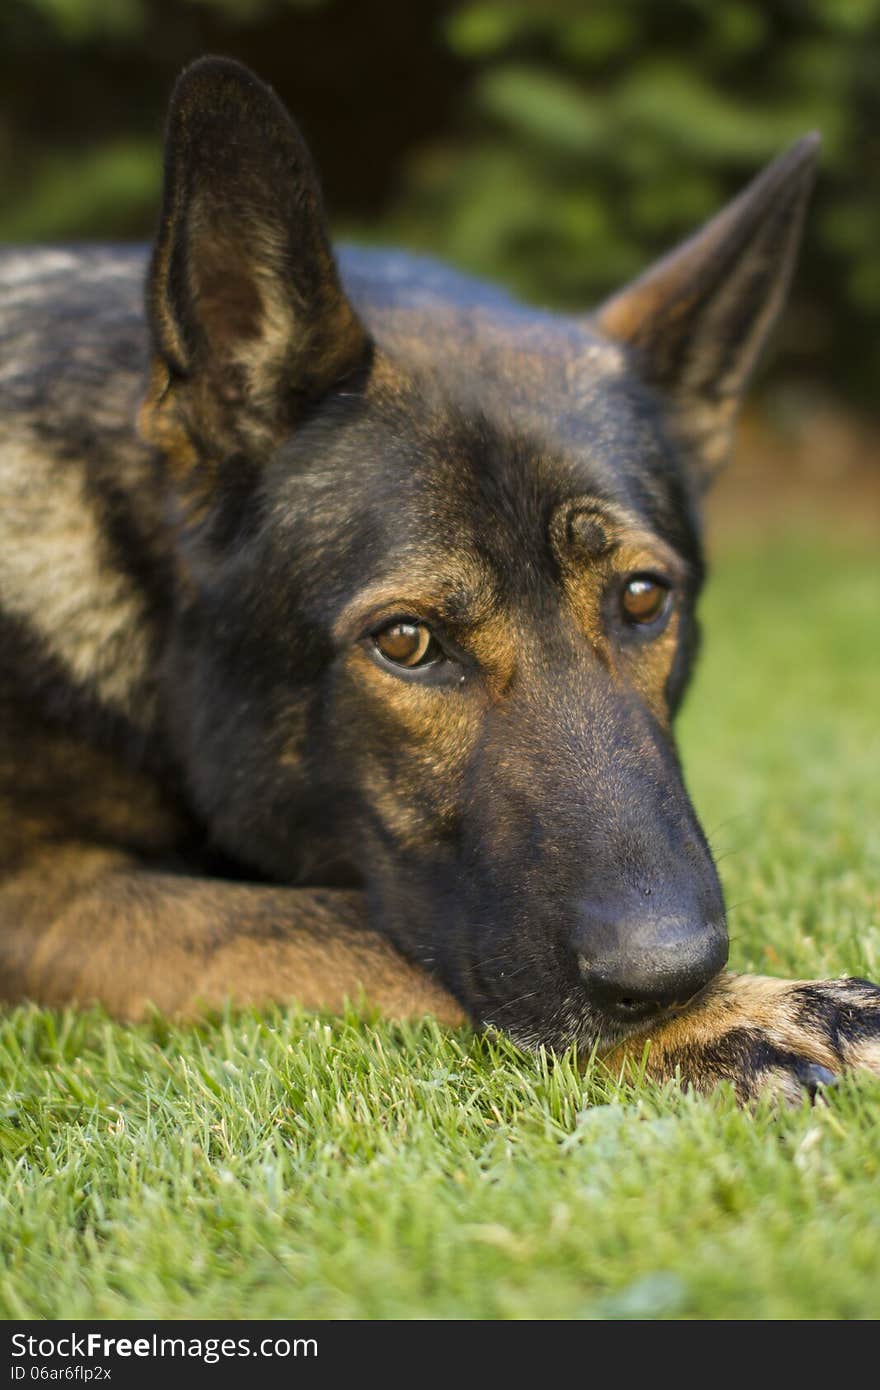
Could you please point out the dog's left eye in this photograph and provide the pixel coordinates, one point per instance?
(411, 645)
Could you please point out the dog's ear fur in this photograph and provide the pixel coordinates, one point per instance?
(696, 321)
(248, 316)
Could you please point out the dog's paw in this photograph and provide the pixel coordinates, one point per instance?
(781, 1038)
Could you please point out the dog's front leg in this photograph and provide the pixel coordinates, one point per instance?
(780, 1037)
(82, 924)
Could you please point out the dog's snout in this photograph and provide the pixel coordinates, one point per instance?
(643, 968)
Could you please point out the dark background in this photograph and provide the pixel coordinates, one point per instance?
(554, 145)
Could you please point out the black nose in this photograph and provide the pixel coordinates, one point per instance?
(653, 965)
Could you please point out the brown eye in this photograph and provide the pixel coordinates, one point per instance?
(408, 644)
(644, 599)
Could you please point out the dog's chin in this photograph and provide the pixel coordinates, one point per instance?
(574, 1022)
(571, 1022)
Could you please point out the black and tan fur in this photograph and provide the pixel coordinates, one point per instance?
(212, 784)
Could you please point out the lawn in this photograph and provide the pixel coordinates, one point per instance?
(282, 1165)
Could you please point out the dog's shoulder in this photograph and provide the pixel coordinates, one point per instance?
(80, 572)
(385, 278)
(51, 295)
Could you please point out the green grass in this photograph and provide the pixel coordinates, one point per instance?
(280, 1165)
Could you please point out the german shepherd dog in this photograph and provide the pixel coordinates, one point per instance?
(345, 608)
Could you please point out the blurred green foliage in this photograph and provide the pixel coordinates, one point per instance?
(555, 145)
(594, 135)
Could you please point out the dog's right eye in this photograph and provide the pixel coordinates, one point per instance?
(645, 599)
(411, 645)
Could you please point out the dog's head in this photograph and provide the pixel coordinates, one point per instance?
(438, 559)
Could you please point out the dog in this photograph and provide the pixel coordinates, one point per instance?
(346, 606)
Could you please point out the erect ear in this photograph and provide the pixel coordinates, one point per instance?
(248, 316)
(697, 320)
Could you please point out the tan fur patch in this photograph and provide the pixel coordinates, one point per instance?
(56, 578)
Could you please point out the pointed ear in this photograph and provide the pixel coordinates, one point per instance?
(248, 316)
(697, 320)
